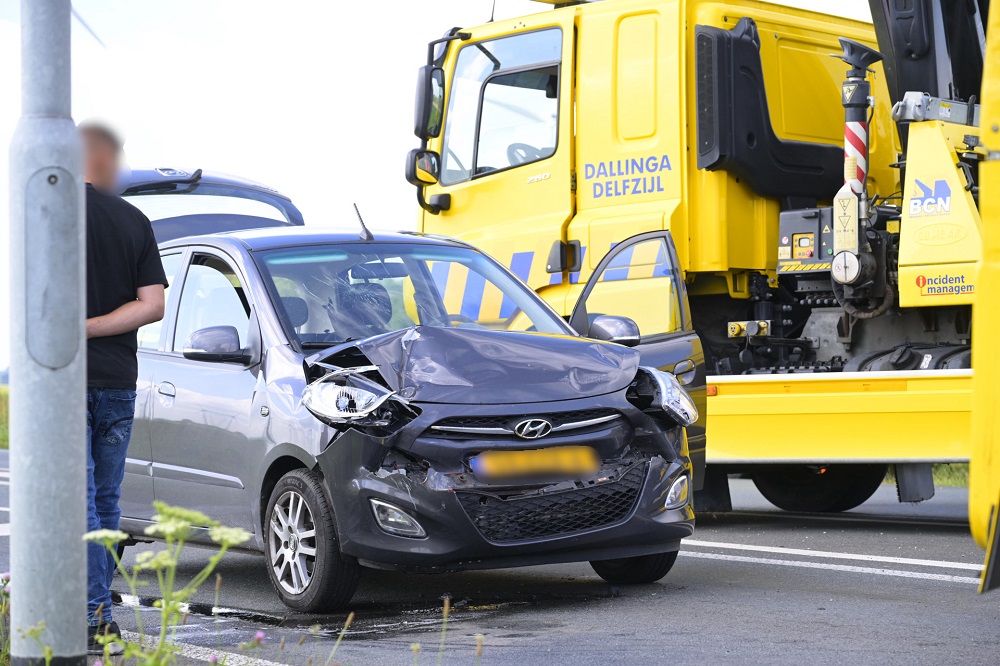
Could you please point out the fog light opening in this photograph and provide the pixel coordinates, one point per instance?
(677, 496)
(395, 521)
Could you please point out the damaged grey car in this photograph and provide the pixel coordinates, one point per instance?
(402, 402)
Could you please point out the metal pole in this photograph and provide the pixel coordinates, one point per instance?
(48, 350)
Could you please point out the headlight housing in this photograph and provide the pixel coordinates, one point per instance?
(336, 403)
(671, 397)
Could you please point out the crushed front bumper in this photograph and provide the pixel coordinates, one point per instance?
(472, 525)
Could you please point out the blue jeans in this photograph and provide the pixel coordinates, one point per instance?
(109, 426)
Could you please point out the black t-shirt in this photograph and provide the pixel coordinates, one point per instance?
(121, 257)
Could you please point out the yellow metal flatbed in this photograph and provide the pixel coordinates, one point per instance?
(891, 417)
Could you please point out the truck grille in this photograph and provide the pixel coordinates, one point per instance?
(553, 514)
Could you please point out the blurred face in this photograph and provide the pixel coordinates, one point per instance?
(100, 160)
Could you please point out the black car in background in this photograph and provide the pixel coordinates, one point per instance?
(182, 202)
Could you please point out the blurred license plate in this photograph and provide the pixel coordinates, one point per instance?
(563, 460)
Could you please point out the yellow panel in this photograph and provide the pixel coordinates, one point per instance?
(944, 284)
(628, 125)
(984, 478)
(635, 77)
(940, 222)
(842, 417)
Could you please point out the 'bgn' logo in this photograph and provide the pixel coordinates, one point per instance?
(931, 202)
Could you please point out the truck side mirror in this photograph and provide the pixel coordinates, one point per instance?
(429, 108)
(610, 328)
(422, 167)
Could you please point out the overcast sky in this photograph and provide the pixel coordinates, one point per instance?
(312, 98)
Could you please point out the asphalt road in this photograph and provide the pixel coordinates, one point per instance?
(885, 583)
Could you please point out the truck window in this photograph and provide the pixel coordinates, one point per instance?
(639, 284)
(516, 80)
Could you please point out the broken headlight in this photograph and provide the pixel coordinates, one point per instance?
(657, 389)
(337, 397)
(340, 404)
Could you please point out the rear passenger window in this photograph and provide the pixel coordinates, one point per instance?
(213, 296)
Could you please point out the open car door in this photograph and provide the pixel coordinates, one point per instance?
(640, 279)
(984, 482)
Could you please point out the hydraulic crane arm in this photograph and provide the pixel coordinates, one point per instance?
(934, 46)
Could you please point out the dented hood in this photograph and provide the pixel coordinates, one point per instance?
(469, 366)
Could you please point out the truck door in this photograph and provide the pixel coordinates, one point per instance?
(640, 279)
(507, 143)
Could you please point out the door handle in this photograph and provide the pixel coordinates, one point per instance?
(167, 389)
(685, 367)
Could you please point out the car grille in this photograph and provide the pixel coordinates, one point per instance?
(461, 427)
(531, 517)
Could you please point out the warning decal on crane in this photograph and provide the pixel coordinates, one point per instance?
(845, 223)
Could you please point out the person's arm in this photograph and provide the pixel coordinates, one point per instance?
(147, 308)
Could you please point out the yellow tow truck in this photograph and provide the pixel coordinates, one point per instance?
(796, 235)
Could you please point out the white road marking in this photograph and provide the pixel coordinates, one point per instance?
(833, 567)
(199, 653)
(835, 555)
(4, 529)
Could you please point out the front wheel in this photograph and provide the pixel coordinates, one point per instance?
(818, 488)
(635, 570)
(304, 561)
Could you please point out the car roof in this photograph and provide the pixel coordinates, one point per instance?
(271, 238)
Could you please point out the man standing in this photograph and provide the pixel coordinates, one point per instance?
(125, 284)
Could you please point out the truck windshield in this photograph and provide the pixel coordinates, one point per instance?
(331, 293)
(503, 105)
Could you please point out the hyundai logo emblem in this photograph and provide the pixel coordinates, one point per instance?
(532, 428)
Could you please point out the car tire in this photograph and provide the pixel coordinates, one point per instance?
(818, 489)
(635, 570)
(303, 555)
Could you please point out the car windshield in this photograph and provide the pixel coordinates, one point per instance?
(327, 294)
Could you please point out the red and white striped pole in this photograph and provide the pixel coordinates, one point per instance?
(856, 156)
(856, 100)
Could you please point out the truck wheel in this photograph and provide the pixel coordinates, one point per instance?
(635, 570)
(819, 489)
(303, 555)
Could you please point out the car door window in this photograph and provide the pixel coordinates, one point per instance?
(213, 295)
(149, 335)
(639, 283)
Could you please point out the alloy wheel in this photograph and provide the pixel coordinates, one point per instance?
(292, 542)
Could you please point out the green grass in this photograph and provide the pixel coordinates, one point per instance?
(954, 475)
(4, 417)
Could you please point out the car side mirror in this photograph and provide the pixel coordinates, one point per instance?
(610, 328)
(423, 167)
(219, 344)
